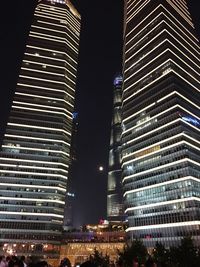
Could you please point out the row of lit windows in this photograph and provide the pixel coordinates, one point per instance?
(24, 203)
(35, 144)
(183, 169)
(190, 205)
(164, 189)
(165, 196)
(32, 225)
(166, 157)
(165, 218)
(166, 234)
(31, 209)
(30, 175)
(23, 236)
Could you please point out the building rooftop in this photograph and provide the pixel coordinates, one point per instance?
(69, 4)
(73, 9)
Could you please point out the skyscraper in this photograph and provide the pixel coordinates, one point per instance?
(34, 157)
(160, 139)
(114, 198)
(70, 196)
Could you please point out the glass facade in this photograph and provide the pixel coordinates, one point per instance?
(160, 109)
(115, 210)
(35, 154)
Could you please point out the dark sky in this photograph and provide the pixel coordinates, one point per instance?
(100, 60)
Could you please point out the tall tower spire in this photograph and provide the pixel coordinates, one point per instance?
(160, 138)
(115, 210)
(34, 157)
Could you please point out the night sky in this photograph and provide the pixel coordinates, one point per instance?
(100, 60)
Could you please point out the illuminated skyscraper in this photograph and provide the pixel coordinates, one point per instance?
(34, 157)
(160, 139)
(114, 198)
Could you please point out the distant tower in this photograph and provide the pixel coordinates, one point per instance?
(160, 117)
(114, 197)
(69, 210)
(70, 196)
(35, 155)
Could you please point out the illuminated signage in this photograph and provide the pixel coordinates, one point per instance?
(191, 120)
(118, 80)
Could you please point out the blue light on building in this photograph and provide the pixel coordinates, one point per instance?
(191, 120)
(118, 80)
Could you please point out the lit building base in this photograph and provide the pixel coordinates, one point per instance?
(42, 251)
(168, 234)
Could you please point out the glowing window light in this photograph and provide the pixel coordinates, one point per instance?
(41, 200)
(175, 92)
(160, 150)
(37, 149)
(31, 167)
(35, 161)
(57, 1)
(71, 14)
(165, 51)
(159, 143)
(152, 39)
(61, 26)
(47, 80)
(42, 110)
(55, 17)
(35, 173)
(189, 32)
(161, 167)
(47, 89)
(31, 213)
(36, 138)
(53, 51)
(52, 30)
(181, 13)
(62, 11)
(118, 80)
(157, 79)
(162, 184)
(51, 58)
(158, 204)
(137, 10)
(42, 106)
(55, 38)
(38, 127)
(34, 186)
(190, 119)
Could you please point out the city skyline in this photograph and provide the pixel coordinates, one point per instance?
(102, 36)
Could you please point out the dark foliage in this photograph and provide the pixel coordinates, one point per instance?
(134, 252)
